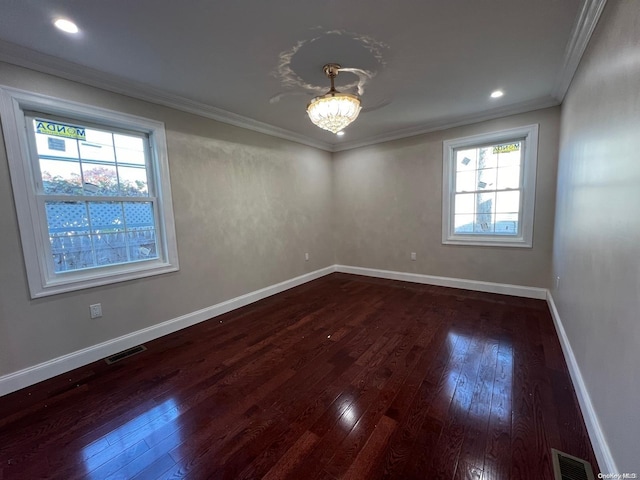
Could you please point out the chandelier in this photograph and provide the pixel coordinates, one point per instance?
(333, 111)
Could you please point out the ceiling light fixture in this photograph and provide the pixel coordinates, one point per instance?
(340, 133)
(333, 111)
(66, 25)
(497, 94)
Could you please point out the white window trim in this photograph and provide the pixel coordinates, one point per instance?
(13, 104)
(528, 197)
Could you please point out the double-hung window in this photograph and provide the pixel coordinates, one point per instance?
(92, 193)
(489, 188)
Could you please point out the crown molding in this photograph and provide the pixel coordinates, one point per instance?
(444, 124)
(28, 58)
(580, 36)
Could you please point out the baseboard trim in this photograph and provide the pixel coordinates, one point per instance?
(43, 371)
(476, 285)
(598, 440)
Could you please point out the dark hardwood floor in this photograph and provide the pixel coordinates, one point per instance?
(344, 377)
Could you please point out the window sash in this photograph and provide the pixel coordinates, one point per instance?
(43, 198)
(455, 192)
(125, 230)
(528, 137)
(35, 156)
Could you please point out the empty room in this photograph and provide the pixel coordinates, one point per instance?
(320, 240)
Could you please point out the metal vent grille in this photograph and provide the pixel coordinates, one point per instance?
(568, 467)
(124, 354)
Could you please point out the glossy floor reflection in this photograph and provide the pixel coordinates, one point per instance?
(344, 377)
(114, 452)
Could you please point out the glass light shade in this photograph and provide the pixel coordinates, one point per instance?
(334, 111)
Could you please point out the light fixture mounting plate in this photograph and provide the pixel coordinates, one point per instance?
(331, 69)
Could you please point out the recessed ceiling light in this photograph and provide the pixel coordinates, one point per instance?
(66, 25)
(497, 94)
(340, 133)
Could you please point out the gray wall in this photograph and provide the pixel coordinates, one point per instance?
(389, 203)
(597, 232)
(247, 207)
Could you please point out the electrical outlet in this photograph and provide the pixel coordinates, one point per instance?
(95, 310)
(306, 257)
(413, 256)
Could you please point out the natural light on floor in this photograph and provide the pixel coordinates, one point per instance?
(160, 419)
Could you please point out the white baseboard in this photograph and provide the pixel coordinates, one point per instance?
(476, 285)
(598, 441)
(31, 375)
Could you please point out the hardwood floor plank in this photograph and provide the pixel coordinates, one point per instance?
(292, 457)
(366, 461)
(471, 460)
(497, 459)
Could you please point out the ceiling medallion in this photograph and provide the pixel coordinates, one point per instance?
(333, 111)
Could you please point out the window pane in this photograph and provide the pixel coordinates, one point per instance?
(61, 177)
(463, 223)
(67, 218)
(99, 137)
(98, 146)
(510, 158)
(141, 230)
(91, 151)
(508, 202)
(110, 248)
(466, 159)
(128, 141)
(486, 158)
(129, 149)
(485, 204)
(72, 252)
(507, 223)
(56, 146)
(133, 181)
(487, 179)
(101, 179)
(142, 244)
(465, 203)
(139, 215)
(106, 217)
(135, 157)
(508, 178)
(484, 223)
(466, 181)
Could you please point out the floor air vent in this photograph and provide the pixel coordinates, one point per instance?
(124, 354)
(568, 467)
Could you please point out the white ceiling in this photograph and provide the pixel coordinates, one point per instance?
(430, 64)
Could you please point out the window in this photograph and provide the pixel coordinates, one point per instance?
(489, 188)
(92, 193)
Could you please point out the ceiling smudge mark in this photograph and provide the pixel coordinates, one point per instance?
(276, 98)
(371, 44)
(296, 84)
(363, 75)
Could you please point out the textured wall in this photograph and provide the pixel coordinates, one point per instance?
(597, 233)
(247, 206)
(389, 203)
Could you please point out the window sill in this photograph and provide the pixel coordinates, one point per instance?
(487, 242)
(96, 279)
